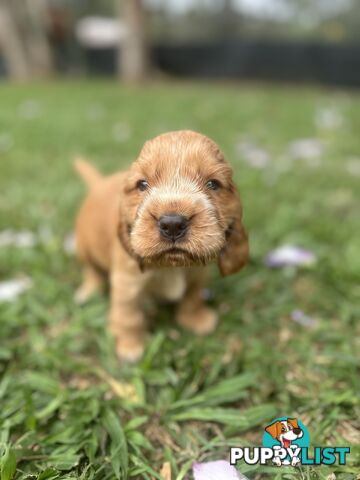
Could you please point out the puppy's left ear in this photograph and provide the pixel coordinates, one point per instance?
(235, 254)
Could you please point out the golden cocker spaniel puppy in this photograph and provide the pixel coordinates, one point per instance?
(154, 228)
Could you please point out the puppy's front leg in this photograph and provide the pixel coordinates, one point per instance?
(92, 281)
(127, 321)
(192, 313)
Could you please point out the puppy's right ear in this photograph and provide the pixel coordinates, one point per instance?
(124, 225)
(235, 254)
(123, 231)
(273, 429)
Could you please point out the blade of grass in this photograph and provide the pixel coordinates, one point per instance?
(226, 391)
(118, 445)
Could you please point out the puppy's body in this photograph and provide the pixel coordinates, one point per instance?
(98, 244)
(97, 221)
(154, 228)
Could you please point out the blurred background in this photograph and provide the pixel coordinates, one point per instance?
(274, 83)
(287, 40)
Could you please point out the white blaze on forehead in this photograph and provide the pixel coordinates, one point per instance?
(176, 190)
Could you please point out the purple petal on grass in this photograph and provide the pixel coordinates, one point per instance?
(30, 109)
(353, 167)
(21, 239)
(306, 149)
(254, 155)
(10, 289)
(300, 317)
(69, 244)
(121, 132)
(6, 142)
(219, 470)
(95, 112)
(290, 255)
(329, 118)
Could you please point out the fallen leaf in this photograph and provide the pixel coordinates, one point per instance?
(165, 471)
(332, 476)
(122, 390)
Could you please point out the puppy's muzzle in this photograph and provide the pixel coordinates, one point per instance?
(173, 227)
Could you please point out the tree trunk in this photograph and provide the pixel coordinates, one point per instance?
(38, 44)
(133, 62)
(23, 38)
(11, 46)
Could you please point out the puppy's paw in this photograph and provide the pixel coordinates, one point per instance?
(130, 349)
(202, 321)
(85, 292)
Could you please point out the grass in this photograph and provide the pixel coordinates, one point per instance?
(68, 409)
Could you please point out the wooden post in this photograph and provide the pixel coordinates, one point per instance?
(23, 38)
(133, 52)
(11, 46)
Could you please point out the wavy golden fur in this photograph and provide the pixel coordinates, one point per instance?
(119, 231)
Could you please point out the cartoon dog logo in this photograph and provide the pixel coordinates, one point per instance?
(285, 432)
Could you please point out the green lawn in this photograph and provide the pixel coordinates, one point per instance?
(68, 409)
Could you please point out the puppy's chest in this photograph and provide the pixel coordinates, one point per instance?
(168, 284)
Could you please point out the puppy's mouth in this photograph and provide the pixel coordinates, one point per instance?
(174, 243)
(177, 254)
(175, 251)
(173, 256)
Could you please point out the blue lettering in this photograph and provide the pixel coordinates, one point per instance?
(305, 460)
(317, 454)
(342, 451)
(328, 456)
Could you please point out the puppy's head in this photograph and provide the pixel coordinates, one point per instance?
(180, 206)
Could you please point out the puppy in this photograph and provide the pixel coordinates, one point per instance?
(154, 228)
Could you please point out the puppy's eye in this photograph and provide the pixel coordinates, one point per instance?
(213, 185)
(142, 185)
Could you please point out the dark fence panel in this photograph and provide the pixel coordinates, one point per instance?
(333, 64)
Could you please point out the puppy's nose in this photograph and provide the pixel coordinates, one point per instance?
(173, 227)
(297, 431)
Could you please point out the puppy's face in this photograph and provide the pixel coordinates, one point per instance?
(180, 206)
